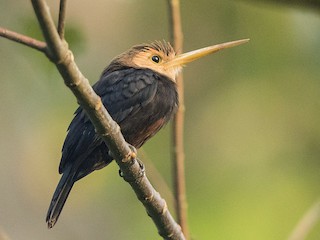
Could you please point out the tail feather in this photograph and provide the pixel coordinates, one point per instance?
(59, 197)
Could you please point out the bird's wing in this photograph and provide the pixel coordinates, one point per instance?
(123, 92)
(80, 140)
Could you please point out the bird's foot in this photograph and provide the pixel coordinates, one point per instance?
(142, 170)
(133, 154)
(140, 174)
(129, 157)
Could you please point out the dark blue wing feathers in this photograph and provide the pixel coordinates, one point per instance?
(125, 97)
(123, 92)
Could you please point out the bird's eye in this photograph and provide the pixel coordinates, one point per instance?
(156, 59)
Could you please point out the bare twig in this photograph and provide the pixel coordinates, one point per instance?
(62, 18)
(105, 126)
(25, 40)
(307, 222)
(178, 124)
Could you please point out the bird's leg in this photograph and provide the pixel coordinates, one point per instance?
(141, 171)
(142, 168)
(133, 157)
(132, 154)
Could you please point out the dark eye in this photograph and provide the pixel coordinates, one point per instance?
(156, 59)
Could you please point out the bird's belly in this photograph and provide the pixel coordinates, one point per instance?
(147, 122)
(142, 132)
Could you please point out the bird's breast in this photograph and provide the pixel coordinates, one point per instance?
(153, 116)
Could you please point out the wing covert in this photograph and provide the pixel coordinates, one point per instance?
(124, 92)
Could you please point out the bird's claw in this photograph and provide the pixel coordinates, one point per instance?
(133, 154)
(140, 174)
(130, 156)
(142, 171)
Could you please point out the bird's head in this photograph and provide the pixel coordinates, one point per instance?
(161, 57)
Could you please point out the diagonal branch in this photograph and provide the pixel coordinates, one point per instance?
(105, 126)
(62, 18)
(25, 40)
(178, 124)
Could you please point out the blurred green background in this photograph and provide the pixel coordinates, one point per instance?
(252, 130)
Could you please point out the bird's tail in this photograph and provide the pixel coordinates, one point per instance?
(60, 196)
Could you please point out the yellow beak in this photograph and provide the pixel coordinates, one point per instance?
(184, 58)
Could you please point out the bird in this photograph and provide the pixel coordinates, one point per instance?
(139, 90)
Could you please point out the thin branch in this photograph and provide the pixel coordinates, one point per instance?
(176, 33)
(307, 222)
(62, 18)
(105, 126)
(178, 124)
(25, 40)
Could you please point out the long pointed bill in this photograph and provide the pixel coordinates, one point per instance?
(184, 58)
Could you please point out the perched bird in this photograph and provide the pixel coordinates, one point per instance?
(139, 91)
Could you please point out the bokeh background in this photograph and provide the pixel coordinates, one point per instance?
(252, 130)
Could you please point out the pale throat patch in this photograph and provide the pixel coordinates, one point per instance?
(143, 59)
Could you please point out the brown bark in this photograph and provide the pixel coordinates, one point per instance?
(178, 124)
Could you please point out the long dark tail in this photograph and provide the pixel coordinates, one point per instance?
(60, 196)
